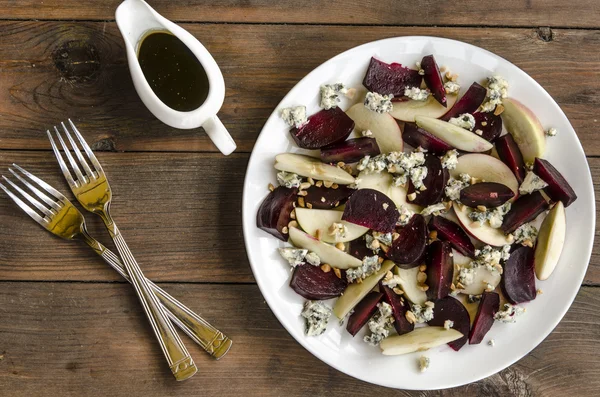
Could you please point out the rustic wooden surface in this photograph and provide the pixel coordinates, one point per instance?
(70, 327)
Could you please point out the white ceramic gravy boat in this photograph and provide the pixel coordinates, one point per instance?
(135, 18)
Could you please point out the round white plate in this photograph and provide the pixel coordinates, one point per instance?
(448, 368)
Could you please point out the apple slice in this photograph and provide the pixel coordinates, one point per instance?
(525, 128)
(410, 285)
(408, 110)
(416, 137)
(420, 339)
(433, 79)
(454, 135)
(487, 168)
(274, 212)
(384, 183)
(481, 279)
(484, 233)
(356, 292)
(311, 167)
(311, 220)
(469, 102)
(550, 241)
(327, 253)
(384, 127)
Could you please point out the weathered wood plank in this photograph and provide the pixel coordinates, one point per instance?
(578, 13)
(54, 70)
(198, 197)
(92, 339)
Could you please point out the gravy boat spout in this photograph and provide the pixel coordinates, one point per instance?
(136, 19)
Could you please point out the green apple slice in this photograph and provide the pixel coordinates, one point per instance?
(484, 233)
(384, 127)
(328, 253)
(311, 220)
(410, 286)
(525, 128)
(384, 182)
(311, 167)
(420, 339)
(408, 110)
(454, 135)
(550, 241)
(485, 167)
(354, 293)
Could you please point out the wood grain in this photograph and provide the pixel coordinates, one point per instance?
(577, 13)
(197, 197)
(91, 339)
(78, 70)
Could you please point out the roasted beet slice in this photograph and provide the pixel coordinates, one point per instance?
(409, 248)
(392, 78)
(451, 309)
(489, 194)
(468, 103)
(399, 309)
(489, 124)
(373, 209)
(525, 209)
(415, 137)
(558, 188)
(350, 151)
(510, 154)
(440, 269)
(518, 278)
(363, 312)
(323, 198)
(358, 248)
(484, 319)
(433, 79)
(454, 234)
(326, 127)
(435, 182)
(274, 212)
(313, 283)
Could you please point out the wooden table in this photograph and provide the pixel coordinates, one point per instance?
(69, 326)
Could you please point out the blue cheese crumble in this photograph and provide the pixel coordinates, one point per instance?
(466, 276)
(451, 87)
(384, 238)
(465, 120)
(391, 280)
(448, 324)
(526, 235)
(372, 243)
(491, 257)
(378, 103)
(531, 183)
(494, 216)
(552, 131)
(405, 215)
(497, 89)
(297, 256)
(288, 179)
(338, 230)
(330, 95)
(454, 186)
(367, 133)
(424, 363)
(422, 314)
(370, 265)
(416, 94)
(317, 317)
(294, 116)
(450, 159)
(380, 324)
(435, 209)
(509, 313)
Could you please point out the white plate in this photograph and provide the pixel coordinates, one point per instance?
(448, 368)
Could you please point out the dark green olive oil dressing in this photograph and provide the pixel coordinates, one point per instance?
(174, 73)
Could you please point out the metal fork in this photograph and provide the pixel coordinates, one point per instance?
(63, 219)
(94, 193)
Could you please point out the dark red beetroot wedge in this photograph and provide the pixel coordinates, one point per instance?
(518, 278)
(313, 283)
(409, 248)
(415, 137)
(558, 187)
(323, 128)
(322, 198)
(399, 309)
(363, 312)
(435, 182)
(468, 103)
(484, 319)
(510, 154)
(525, 209)
(358, 248)
(454, 234)
(350, 151)
(274, 212)
(451, 309)
(392, 78)
(373, 209)
(440, 269)
(489, 194)
(489, 124)
(433, 79)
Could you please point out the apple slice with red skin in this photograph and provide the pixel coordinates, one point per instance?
(525, 128)
(489, 124)
(488, 194)
(484, 233)
(435, 183)
(408, 249)
(454, 234)
(323, 198)
(391, 78)
(518, 278)
(416, 137)
(363, 312)
(454, 135)
(407, 110)
(313, 283)
(350, 151)
(433, 79)
(469, 102)
(487, 168)
(525, 209)
(323, 128)
(440, 269)
(550, 241)
(384, 127)
(558, 188)
(510, 154)
(274, 212)
(484, 319)
(311, 167)
(449, 308)
(373, 209)
(399, 308)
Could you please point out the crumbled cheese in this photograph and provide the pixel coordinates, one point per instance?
(451, 87)
(465, 276)
(367, 133)
(526, 234)
(294, 116)
(417, 175)
(420, 69)
(379, 103)
(330, 95)
(492, 342)
(399, 164)
(509, 313)
(297, 256)
(448, 324)
(338, 230)
(289, 179)
(372, 243)
(417, 94)
(454, 186)
(490, 257)
(423, 314)
(405, 215)
(552, 132)
(494, 216)
(370, 265)
(424, 363)
(497, 89)
(380, 324)
(435, 209)
(317, 316)
(312, 259)
(465, 120)
(531, 183)
(385, 238)
(372, 164)
(450, 159)
(391, 280)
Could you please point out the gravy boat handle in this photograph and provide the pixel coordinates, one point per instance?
(217, 133)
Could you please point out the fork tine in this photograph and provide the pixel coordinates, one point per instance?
(34, 215)
(61, 161)
(58, 195)
(29, 198)
(72, 161)
(87, 148)
(82, 161)
(36, 191)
